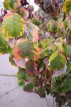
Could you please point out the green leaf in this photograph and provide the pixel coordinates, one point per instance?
(4, 46)
(29, 87)
(52, 26)
(47, 47)
(69, 66)
(41, 91)
(56, 61)
(10, 4)
(66, 85)
(61, 84)
(40, 65)
(11, 59)
(36, 22)
(13, 25)
(21, 82)
(67, 6)
(65, 49)
(69, 50)
(22, 74)
(55, 85)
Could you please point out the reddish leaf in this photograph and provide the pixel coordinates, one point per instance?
(31, 67)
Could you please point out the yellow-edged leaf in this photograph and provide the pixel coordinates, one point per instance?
(13, 25)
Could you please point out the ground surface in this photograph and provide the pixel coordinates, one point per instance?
(11, 95)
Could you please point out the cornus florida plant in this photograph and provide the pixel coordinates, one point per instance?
(39, 44)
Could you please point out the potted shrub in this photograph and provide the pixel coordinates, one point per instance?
(39, 45)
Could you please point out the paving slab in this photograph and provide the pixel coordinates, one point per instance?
(6, 67)
(19, 98)
(7, 84)
(51, 101)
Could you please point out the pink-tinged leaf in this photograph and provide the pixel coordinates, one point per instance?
(32, 32)
(16, 54)
(18, 1)
(20, 63)
(35, 34)
(19, 41)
